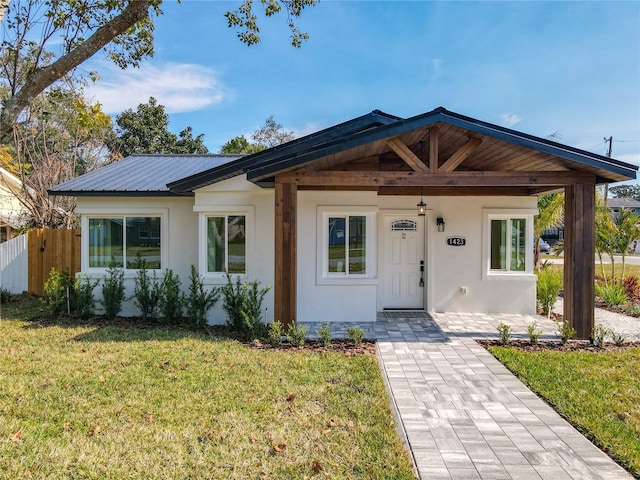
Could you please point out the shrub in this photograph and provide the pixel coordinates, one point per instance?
(356, 335)
(146, 292)
(171, 301)
(612, 294)
(566, 332)
(324, 334)
(85, 300)
(618, 338)
(242, 302)
(297, 334)
(199, 301)
(534, 333)
(5, 295)
(547, 289)
(632, 287)
(57, 292)
(274, 334)
(113, 292)
(599, 335)
(504, 330)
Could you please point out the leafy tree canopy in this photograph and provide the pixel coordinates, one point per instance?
(147, 131)
(269, 135)
(626, 191)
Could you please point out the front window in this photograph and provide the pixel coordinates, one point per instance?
(347, 245)
(124, 242)
(508, 244)
(226, 244)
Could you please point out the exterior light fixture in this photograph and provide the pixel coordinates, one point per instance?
(422, 207)
(440, 224)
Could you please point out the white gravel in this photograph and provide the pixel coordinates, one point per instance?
(617, 322)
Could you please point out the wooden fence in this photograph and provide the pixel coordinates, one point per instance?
(49, 249)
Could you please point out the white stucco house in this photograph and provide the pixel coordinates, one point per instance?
(334, 220)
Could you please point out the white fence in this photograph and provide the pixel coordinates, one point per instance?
(14, 264)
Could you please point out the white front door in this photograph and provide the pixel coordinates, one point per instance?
(404, 267)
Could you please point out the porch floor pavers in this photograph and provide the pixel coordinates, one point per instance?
(464, 415)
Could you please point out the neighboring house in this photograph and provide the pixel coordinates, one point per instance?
(331, 220)
(13, 214)
(616, 204)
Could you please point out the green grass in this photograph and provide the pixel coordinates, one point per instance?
(599, 392)
(112, 401)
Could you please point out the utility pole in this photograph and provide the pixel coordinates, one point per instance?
(606, 185)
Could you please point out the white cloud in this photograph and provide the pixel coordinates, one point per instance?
(510, 119)
(180, 87)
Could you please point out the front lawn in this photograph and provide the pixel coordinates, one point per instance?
(598, 392)
(115, 401)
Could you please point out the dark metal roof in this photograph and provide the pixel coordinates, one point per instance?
(329, 135)
(141, 175)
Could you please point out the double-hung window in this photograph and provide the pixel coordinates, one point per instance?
(509, 239)
(124, 241)
(226, 249)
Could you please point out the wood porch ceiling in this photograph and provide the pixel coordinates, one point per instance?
(444, 160)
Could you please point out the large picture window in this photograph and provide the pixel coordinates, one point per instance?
(347, 242)
(226, 244)
(509, 242)
(125, 241)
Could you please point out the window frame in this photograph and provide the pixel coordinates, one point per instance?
(86, 214)
(324, 276)
(508, 215)
(206, 212)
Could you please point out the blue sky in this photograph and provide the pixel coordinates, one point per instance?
(538, 67)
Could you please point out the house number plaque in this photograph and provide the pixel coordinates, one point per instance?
(456, 241)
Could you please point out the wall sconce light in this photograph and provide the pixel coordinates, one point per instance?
(440, 224)
(422, 207)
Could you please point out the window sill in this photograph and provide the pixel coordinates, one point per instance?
(346, 281)
(519, 276)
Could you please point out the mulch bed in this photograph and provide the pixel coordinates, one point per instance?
(570, 346)
(346, 347)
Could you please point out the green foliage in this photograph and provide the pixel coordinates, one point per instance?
(57, 292)
(356, 335)
(242, 302)
(147, 131)
(146, 292)
(618, 338)
(324, 334)
(626, 191)
(171, 301)
(269, 135)
(240, 144)
(534, 333)
(85, 299)
(599, 335)
(274, 334)
(612, 294)
(566, 332)
(200, 300)
(5, 295)
(296, 334)
(504, 330)
(113, 292)
(547, 289)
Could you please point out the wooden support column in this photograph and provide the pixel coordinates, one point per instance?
(579, 257)
(285, 252)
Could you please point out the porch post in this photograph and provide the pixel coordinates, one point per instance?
(285, 252)
(579, 257)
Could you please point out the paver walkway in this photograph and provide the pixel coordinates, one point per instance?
(465, 416)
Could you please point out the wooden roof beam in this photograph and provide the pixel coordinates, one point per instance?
(407, 155)
(434, 137)
(460, 155)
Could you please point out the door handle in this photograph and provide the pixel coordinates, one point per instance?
(421, 284)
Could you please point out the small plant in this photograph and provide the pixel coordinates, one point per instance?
(599, 335)
(618, 338)
(297, 334)
(356, 335)
(85, 300)
(274, 334)
(57, 292)
(199, 301)
(612, 294)
(242, 302)
(113, 292)
(324, 334)
(566, 332)
(534, 333)
(547, 289)
(504, 330)
(146, 291)
(5, 295)
(171, 301)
